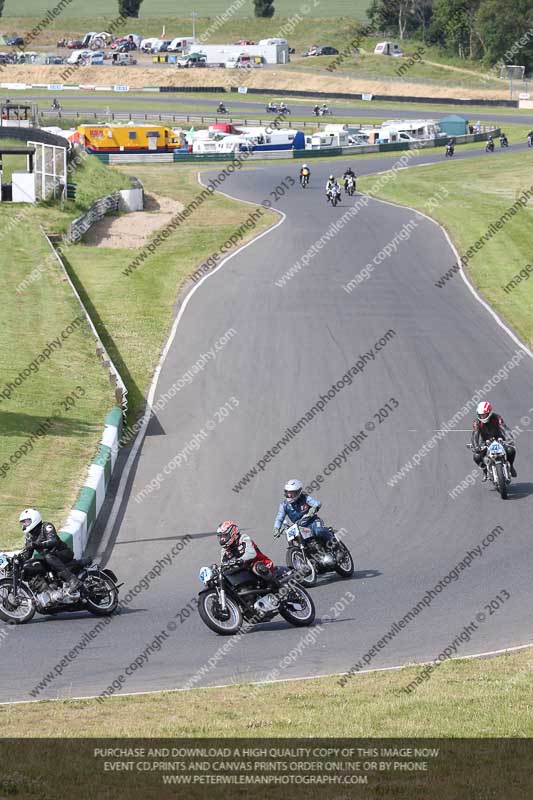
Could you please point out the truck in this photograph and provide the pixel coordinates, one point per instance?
(116, 138)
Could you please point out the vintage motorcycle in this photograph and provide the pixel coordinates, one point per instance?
(234, 595)
(29, 587)
(311, 556)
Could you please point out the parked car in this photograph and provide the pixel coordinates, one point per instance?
(327, 51)
(161, 46)
(16, 41)
(74, 44)
(192, 60)
(54, 60)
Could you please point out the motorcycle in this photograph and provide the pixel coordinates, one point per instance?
(334, 195)
(497, 464)
(504, 142)
(349, 185)
(489, 148)
(222, 110)
(234, 595)
(304, 180)
(312, 556)
(272, 108)
(325, 112)
(26, 588)
(56, 107)
(530, 141)
(449, 150)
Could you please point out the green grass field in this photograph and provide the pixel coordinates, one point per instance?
(467, 698)
(50, 472)
(167, 9)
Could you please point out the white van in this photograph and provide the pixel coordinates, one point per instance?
(388, 49)
(180, 43)
(148, 44)
(269, 42)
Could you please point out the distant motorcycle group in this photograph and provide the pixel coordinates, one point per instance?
(489, 147)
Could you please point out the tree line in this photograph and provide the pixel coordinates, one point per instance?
(491, 31)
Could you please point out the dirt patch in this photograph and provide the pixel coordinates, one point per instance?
(259, 78)
(130, 231)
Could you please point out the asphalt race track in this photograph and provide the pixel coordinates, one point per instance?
(290, 345)
(141, 104)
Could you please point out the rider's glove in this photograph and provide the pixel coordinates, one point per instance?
(277, 532)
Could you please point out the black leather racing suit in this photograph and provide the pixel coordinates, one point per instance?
(494, 428)
(55, 552)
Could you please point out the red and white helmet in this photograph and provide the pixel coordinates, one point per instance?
(484, 412)
(228, 533)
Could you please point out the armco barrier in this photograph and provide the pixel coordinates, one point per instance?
(92, 494)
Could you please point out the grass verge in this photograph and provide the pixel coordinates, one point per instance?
(135, 311)
(479, 194)
(470, 698)
(133, 315)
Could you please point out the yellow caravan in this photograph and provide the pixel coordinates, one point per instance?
(130, 138)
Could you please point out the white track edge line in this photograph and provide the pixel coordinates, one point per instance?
(117, 502)
(472, 289)
(409, 665)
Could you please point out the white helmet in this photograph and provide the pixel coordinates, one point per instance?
(331, 178)
(293, 490)
(304, 166)
(29, 519)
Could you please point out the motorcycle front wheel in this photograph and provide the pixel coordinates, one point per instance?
(502, 484)
(296, 560)
(298, 609)
(225, 623)
(19, 611)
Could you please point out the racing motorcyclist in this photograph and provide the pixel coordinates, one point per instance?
(348, 173)
(487, 425)
(239, 550)
(56, 554)
(302, 508)
(305, 172)
(332, 181)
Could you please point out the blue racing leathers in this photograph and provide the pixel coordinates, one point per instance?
(301, 508)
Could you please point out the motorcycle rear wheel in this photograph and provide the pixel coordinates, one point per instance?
(295, 560)
(344, 564)
(207, 607)
(298, 609)
(15, 616)
(105, 606)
